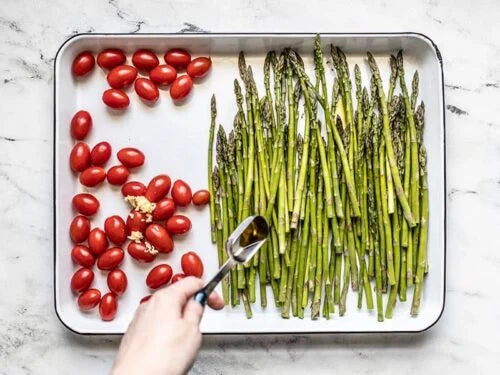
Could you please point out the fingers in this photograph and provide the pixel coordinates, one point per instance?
(215, 301)
(176, 295)
(193, 311)
(177, 299)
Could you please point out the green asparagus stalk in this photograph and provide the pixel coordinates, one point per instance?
(414, 190)
(378, 195)
(345, 286)
(422, 249)
(409, 261)
(311, 258)
(267, 84)
(246, 304)
(292, 135)
(402, 275)
(239, 166)
(302, 257)
(407, 172)
(328, 299)
(243, 122)
(385, 217)
(391, 302)
(250, 171)
(219, 237)
(285, 311)
(232, 177)
(317, 268)
(419, 125)
(393, 78)
(213, 114)
(302, 175)
(375, 234)
(299, 267)
(414, 90)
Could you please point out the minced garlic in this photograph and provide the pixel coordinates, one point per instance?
(150, 248)
(135, 236)
(141, 204)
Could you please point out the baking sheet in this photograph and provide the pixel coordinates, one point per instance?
(174, 139)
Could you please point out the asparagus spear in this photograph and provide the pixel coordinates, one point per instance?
(414, 190)
(376, 134)
(213, 113)
(422, 249)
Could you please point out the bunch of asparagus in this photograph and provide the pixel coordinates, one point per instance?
(346, 199)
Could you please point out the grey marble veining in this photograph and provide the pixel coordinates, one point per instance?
(32, 341)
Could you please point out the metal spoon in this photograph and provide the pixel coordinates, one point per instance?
(241, 246)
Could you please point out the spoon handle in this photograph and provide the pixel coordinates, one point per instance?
(202, 295)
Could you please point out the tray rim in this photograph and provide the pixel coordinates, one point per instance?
(411, 34)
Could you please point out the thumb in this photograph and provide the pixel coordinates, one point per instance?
(193, 312)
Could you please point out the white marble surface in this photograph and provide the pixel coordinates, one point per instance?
(32, 341)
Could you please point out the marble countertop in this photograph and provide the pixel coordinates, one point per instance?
(464, 341)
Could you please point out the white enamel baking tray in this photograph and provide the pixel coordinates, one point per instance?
(174, 139)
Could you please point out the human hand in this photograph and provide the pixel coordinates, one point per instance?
(164, 335)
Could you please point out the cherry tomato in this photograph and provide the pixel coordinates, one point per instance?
(117, 175)
(133, 188)
(177, 277)
(79, 229)
(191, 264)
(164, 209)
(163, 75)
(131, 157)
(116, 99)
(98, 243)
(92, 176)
(81, 280)
(83, 63)
(79, 159)
(81, 123)
(201, 197)
(122, 76)
(145, 299)
(181, 193)
(117, 281)
(159, 276)
(110, 259)
(108, 306)
(136, 222)
(110, 58)
(145, 59)
(115, 229)
(177, 57)
(158, 187)
(146, 89)
(199, 67)
(81, 255)
(178, 224)
(86, 204)
(100, 153)
(159, 238)
(89, 299)
(181, 87)
(139, 252)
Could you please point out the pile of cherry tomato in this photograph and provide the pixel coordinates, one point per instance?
(120, 76)
(149, 228)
